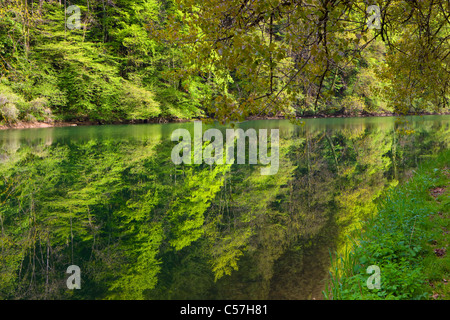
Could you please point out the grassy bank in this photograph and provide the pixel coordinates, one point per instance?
(407, 239)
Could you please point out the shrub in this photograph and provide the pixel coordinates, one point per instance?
(38, 109)
(11, 105)
(3, 99)
(9, 113)
(30, 118)
(37, 106)
(138, 103)
(353, 105)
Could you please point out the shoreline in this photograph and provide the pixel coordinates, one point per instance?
(426, 271)
(56, 124)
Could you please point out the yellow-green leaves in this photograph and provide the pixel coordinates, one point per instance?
(275, 49)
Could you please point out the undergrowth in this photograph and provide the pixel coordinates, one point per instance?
(407, 239)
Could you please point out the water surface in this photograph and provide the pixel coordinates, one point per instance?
(110, 200)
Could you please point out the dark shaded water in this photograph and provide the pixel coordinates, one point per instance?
(110, 200)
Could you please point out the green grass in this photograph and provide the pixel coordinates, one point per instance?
(412, 222)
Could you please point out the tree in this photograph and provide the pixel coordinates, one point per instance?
(274, 54)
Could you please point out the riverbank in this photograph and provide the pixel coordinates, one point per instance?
(407, 239)
(30, 125)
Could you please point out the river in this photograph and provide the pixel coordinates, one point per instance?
(110, 200)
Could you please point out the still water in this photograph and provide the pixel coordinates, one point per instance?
(110, 200)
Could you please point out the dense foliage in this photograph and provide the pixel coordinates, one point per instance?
(288, 57)
(108, 70)
(166, 59)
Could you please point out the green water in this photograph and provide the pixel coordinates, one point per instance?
(110, 200)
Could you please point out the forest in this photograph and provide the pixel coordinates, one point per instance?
(163, 60)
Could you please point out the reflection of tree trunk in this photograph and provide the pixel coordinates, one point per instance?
(47, 266)
(71, 236)
(3, 230)
(334, 153)
(291, 193)
(309, 169)
(33, 239)
(394, 155)
(414, 151)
